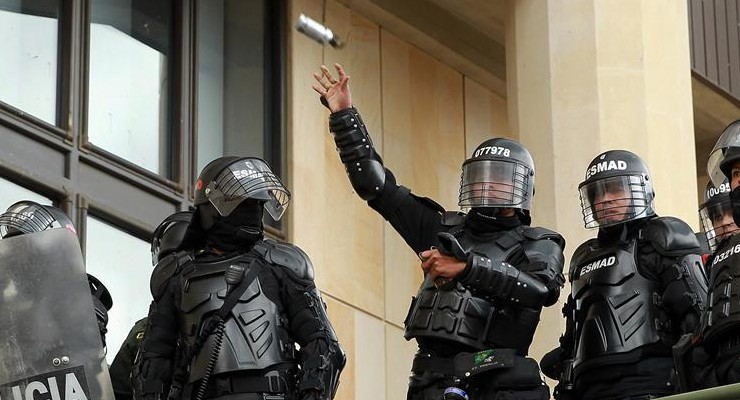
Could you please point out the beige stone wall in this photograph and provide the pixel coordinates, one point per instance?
(581, 78)
(423, 116)
(586, 77)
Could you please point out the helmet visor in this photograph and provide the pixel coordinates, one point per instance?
(248, 179)
(716, 222)
(495, 183)
(25, 217)
(613, 200)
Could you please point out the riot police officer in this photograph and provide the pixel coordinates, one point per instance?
(165, 241)
(483, 293)
(50, 323)
(721, 325)
(715, 215)
(636, 288)
(239, 304)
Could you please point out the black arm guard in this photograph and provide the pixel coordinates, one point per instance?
(499, 280)
(152, 370)
(681, 270)
(685, 290)
(322, 359)
(545, 258)
(363, 164)
(151, 375)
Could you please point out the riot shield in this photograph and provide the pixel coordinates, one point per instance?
(51, 346)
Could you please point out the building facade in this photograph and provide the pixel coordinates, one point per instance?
(108, 109)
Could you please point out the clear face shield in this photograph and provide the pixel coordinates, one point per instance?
(717, 222)
(495, 183)
(248, 179)
(614, 200)
(25, 217)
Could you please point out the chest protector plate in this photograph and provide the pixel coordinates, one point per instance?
(615, 310)
(456, 315)
(255, 335)
(723, 315)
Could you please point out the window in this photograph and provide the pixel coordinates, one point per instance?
(11, 193)
(29, 48)
(123, 263)
(130, 81)
(114, 76)
(233, 111)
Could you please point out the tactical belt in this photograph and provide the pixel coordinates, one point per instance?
(465, 364)
(427, 362)
(246, 384)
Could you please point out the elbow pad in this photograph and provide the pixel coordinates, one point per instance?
(362, 163)
(503, 281)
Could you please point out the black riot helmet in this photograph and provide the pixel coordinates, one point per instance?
(715, 214)
(499, 173)
(227, 181)
(618, 188)
(27, 216)
(169, 234)
(724, 154)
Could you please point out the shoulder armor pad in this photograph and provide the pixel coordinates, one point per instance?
(286, 255)
(165, 269)
(539, 233)
(453, 218)
(670, 236)
(578, 256)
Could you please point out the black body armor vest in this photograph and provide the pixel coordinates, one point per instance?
(723, 316)
(615, 306)
(458, 316)
(255, 335)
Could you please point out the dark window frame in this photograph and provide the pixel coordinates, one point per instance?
(58, 162)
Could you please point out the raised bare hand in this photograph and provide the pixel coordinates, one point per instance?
(334, 90)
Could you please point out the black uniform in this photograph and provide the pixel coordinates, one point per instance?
(719, 350)
(720, 341)
(512, 271)
(636, 289)
(226, 319)
(635, 292)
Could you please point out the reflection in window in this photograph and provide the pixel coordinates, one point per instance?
(28, 56)
(231, 79)
(11, 193)
(129, 83)
(124, 264)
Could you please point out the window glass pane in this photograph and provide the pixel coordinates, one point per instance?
(129, 83)
(11, 193)
(124, 264)
(28, 65)
(231, 79)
